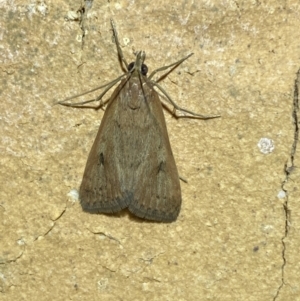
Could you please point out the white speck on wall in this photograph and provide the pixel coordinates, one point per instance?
(267, 228)
(21, 242)
(34, 8)
(145, 286)
(266, 145)
(281, 194)
(183, 20)
(31, 9)
(73, 194)
(118, 6)
(102, 284)
(72, 15)
(42, 8)
(126, 41)
(88, 4)
(79, 38)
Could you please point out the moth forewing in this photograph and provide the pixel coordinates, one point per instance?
(157, 194)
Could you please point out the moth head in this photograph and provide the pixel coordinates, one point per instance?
(139, 64)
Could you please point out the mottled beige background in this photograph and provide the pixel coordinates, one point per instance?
(235, 239)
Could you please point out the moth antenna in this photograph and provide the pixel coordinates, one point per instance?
(120, 52)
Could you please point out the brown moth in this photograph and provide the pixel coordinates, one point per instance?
(131, 164)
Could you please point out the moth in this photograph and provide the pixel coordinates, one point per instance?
(131, 164)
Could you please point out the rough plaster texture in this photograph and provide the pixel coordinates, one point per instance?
(234, 238)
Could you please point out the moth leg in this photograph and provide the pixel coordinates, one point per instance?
(81, 104)
(167, 67)
(178, 108)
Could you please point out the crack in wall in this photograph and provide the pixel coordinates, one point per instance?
(288, 169)
(14, 259)
(83, 11)
(53, 225)
(80, 15)
(105, 235)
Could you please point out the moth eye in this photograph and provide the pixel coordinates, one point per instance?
(144, 69)
(130, 66)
